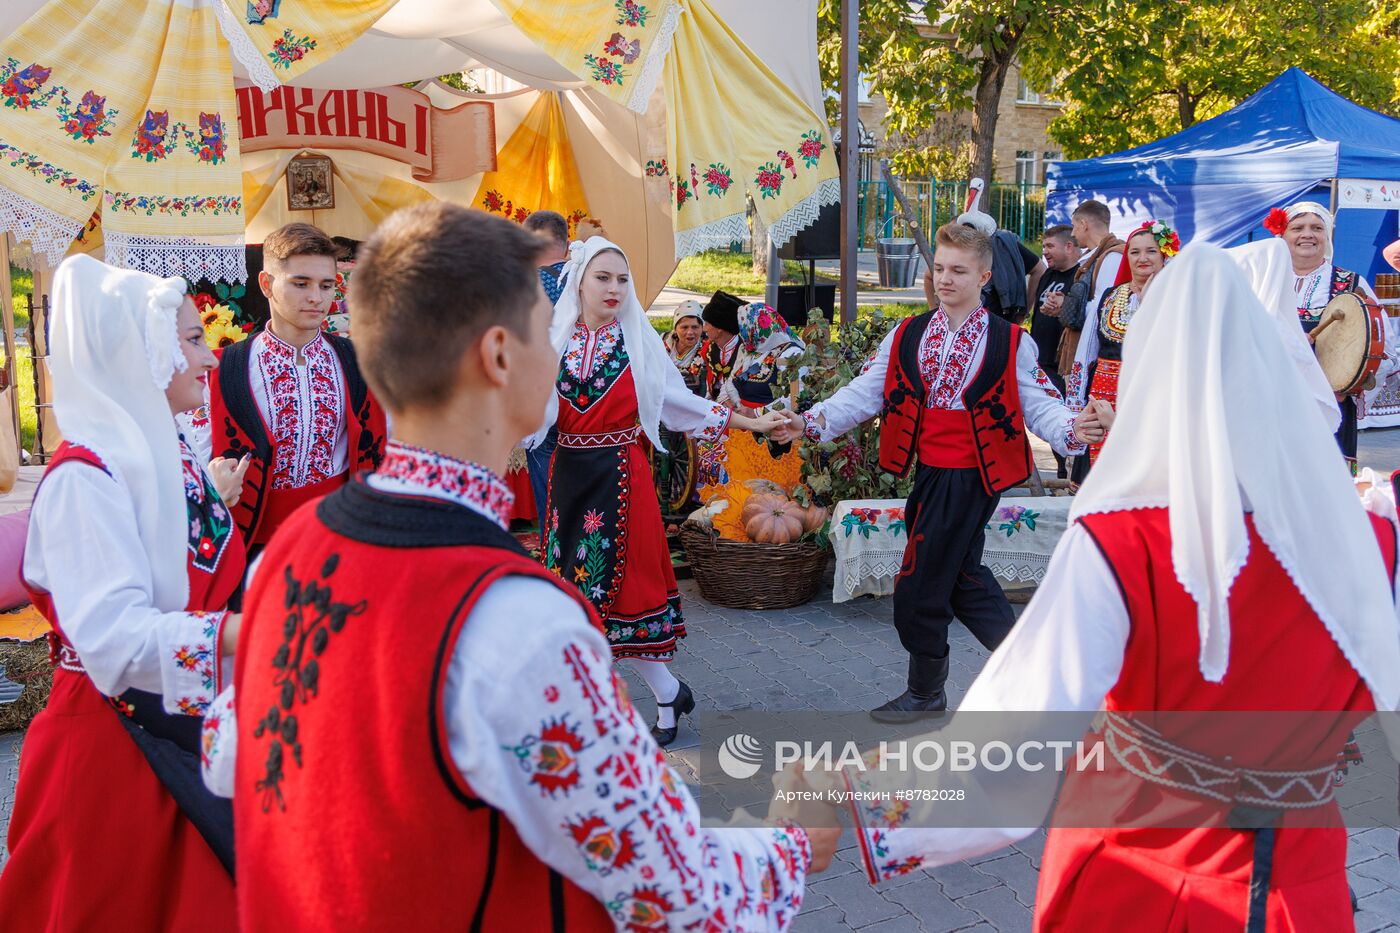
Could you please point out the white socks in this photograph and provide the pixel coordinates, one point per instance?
(663, 684)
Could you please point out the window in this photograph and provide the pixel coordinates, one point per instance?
(1024, 94)
(1050, 155)
(1027, 165)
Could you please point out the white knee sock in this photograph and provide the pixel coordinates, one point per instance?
(663, 684)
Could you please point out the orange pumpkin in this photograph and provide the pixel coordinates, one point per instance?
(775, 523)
(761, 502)
(759, 486)
(813, 517)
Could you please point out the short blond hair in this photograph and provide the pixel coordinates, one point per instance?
(968, 238)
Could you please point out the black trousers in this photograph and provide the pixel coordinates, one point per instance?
(943, 576)
(1348, 431)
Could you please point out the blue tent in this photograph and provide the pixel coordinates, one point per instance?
(1216, 181)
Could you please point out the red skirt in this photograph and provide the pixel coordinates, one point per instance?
(1105, 387)
(96, 842)
(1194, 880)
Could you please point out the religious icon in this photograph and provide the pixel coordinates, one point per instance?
(310, 184)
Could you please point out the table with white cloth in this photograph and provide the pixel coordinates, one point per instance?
(1381, 406)
(869, 538)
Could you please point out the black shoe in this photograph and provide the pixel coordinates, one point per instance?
(927, 676)
(682, 704)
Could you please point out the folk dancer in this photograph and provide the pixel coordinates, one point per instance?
(290, 402)
(1146, 250)
(603, 532)
(132, 558)
(956, 388)
(449, 745)
(1186, 588)
(721, 347)
(1307, 228)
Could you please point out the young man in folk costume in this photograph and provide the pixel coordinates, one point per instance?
(1307, 228)
(1186, 586)
(721, 346)
(290, 399)
(132, 557)
(955, 387)
(450, 745)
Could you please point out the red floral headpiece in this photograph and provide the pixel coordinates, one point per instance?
(1277, 221)
(1167, 240)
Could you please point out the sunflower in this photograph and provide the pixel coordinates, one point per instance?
(222, 334)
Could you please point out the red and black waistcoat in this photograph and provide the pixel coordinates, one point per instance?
(350, 813)
(992, 429)
(236, 427)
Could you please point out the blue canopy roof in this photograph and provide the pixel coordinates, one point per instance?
(1217, 180)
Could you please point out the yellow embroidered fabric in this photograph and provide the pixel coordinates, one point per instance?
(537, 170)
(616, 45)
(128, 108)
(747, 459)
(735, 129)
(280, 40)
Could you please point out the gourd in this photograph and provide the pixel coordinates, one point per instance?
(761, 502)
(776, 522)
(813, 518)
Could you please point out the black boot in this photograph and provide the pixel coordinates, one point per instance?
(682, 704)
(925, 694)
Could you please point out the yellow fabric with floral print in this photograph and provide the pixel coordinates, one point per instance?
(748, 459)
(537, 170)
(734, 128)
(616, 45)
(280, 40)
(124, 107)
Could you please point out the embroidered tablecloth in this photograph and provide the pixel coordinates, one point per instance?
(868, 536)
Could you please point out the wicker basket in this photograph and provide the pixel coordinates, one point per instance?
(745, 575)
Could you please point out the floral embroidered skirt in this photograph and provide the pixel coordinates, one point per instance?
(604, 534)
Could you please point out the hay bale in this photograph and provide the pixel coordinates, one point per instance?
(27, 664)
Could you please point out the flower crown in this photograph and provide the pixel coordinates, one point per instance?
(1277, 221)
(1167, 240)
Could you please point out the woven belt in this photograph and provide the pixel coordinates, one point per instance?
(606, 439)
(1147, 754)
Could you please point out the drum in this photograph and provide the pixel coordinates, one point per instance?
(1350, 341)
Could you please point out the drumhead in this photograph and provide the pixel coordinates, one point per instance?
(1341, 348)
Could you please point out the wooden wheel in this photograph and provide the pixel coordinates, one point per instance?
(673, 472)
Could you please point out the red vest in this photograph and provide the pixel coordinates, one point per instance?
(990, 434)
(237, 427)
(1281, 659)
(350, 813)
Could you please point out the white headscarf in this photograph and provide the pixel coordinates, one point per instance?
(1208, 429)
(650, 360)
(688, 308)
(1269, 268)
(1312, 207)
(114, 346)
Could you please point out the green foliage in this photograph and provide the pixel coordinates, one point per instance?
(1132, 73)
(847, 468)
(733, 272)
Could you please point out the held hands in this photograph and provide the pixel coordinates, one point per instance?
(820, 820)
(763, 424)
(1052, 304)
(227, 474)
(1091, 425)
(789, 429)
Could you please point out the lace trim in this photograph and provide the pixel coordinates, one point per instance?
(248, 54)
(183, 257)
(716, 233)
(47, 231)
(656, 58)
(804, 213)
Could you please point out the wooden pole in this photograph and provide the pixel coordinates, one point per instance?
(906, 210)
(850, 153)
(7, 312)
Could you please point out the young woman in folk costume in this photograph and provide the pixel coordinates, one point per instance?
(1147, 250)
(132, 557)
(603, 532)
(1186, 586)
(760, 378)
(1307, 227)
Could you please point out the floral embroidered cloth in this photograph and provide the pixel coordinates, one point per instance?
(869, 538)
(536, 170)
(280, 40)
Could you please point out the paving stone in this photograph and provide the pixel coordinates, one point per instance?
(1368, 922)
(960, 879)
(999, 907)
(1018, 874)
(905, 924)
(1384, 904)
(858, 900)
(936, 911)
(827, 920)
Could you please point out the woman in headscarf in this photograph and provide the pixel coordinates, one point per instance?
(684, 342)
(1148, 249)
(602, 530)
(1307, 228)
(1185, 599)
(132, 558)
(764, 374)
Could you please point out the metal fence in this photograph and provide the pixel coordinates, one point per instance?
(1018, 208)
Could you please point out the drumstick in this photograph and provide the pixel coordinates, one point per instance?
(1333, 316)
